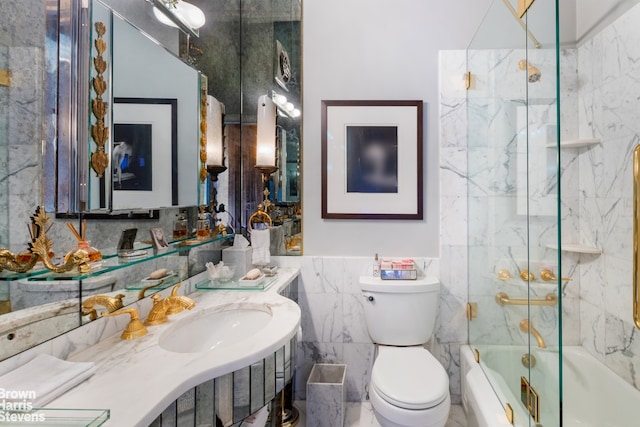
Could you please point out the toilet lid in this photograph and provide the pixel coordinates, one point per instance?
(409, 377)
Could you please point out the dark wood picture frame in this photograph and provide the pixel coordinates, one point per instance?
(395, 131)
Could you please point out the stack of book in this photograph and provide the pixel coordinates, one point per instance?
(398, 270)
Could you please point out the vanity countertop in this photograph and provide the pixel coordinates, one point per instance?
(138, 379)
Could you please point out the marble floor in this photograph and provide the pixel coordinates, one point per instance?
(361, 415)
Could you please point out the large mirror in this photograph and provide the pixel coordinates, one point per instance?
(34, 108)
(153, 106)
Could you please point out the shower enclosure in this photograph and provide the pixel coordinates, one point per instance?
(551, 133)
(515, 225)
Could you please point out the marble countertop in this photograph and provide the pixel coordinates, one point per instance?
(138, 379)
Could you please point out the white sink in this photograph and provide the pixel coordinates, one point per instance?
(216, 329)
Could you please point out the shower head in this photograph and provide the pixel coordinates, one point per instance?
(533, 72)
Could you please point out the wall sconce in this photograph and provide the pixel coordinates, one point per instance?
(266, 146)
(215, 141)
(183, 14)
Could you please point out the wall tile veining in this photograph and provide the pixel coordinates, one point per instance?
(609, 89)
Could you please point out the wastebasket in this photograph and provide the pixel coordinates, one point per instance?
(326, 395)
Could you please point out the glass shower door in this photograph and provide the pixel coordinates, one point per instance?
(512, 209)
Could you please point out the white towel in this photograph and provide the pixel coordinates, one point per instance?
(260, 242)
(46, 377)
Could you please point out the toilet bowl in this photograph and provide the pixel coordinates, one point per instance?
(409, 388)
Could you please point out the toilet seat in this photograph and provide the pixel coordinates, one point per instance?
(409, 377)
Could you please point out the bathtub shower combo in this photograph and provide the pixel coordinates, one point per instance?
(553, 301)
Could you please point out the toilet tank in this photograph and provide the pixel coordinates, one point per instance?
(400, 312)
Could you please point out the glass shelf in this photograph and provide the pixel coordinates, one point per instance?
(43, 417)
(577, 248)
(208, 285)
(167, 281)
(112, 263)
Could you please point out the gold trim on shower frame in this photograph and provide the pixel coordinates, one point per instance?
(99, 130)
(5, 78)
(535, 41)
(636, 225)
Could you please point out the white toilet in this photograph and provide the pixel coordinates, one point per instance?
(409, 387)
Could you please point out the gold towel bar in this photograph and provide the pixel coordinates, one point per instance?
(636, 225)
(503, 299)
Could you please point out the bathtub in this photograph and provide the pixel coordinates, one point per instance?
(594, 396)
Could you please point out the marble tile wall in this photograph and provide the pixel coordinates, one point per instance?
(609, 88)
(488, 167)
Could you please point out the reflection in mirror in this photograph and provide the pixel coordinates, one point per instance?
(261, 39)
(154, 113)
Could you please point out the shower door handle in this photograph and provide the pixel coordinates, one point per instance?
(636, 227)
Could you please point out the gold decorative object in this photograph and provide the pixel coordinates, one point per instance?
(110, 303)
(41, 246)
(260, 216)
(99, 132)
(503, 299)
(40, 249)
(5, 78)
(135, 328)
(203, 134)
(548, 276)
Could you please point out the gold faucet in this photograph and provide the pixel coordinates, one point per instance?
(135, 328)
(110, 303)
(527, 328)
(547, 276)
(146, 288)
(170, 305)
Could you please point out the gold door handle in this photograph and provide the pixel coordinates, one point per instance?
(503, 299)
(636, 225)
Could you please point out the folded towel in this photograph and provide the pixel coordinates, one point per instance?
(260, 241)
(46, 377)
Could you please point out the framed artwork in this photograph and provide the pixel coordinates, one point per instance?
(372, 160)
(158, 238)
(144, 152)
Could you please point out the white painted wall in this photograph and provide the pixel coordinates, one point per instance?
(377, 49)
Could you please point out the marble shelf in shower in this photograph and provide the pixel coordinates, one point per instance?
(577, 248)
(575, 143)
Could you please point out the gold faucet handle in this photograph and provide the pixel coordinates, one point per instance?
(527, 276)
(135, 328)
(548, 276)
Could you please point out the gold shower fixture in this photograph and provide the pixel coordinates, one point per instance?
(534, 74)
